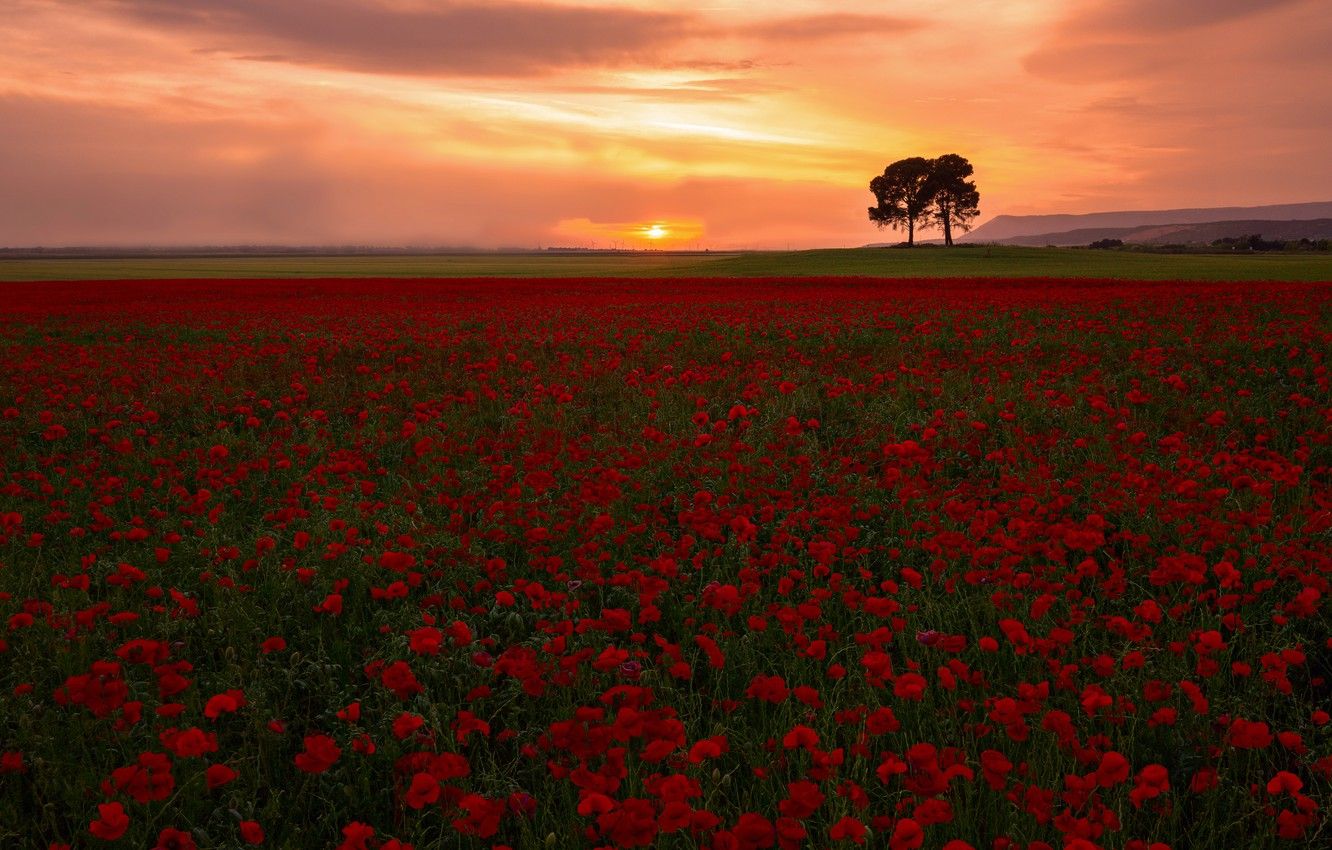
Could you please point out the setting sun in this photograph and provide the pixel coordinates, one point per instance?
(656, 231)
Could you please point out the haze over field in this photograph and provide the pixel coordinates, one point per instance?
(633, 123)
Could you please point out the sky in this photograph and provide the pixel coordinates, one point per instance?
(633, 123)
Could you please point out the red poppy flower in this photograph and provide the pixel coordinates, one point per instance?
(907, 835)
(424, 790)
(803, 799)
(218, 775)
(251, 832)
(356, 835)
(848, 829)
(1152, 781)
(174, 839)
(320, 753)
(753, 832)
(399, 678)
(1113, 769)
(148, 779)
(111, 822)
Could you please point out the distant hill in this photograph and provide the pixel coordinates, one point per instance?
(1181, 234)
(1112, 225)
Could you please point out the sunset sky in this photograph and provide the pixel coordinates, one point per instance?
(720, 123)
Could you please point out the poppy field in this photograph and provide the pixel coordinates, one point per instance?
(727, 564)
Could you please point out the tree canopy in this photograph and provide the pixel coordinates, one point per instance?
(937, 191)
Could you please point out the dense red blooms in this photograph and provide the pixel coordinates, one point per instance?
(1249, 735)
(848, 829)
(907, 835)
(1152, 781)
(399, 678)
(111, 822)
(1112, 770)
(320, 753)
(1013, 565)
(149, 778)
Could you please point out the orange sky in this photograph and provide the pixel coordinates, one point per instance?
(723, 123)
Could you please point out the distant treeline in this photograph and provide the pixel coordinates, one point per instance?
(1231, 244)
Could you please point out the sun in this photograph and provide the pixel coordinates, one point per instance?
(656, 231)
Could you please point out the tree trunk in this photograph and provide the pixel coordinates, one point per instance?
(948, 228)
(911, 232)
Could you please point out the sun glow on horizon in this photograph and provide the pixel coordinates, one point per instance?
(660, 233)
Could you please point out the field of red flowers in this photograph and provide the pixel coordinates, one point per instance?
(719, 564)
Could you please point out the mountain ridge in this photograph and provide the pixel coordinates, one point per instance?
(1179, 234)
(1006, 227)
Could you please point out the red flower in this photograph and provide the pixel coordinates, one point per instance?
(399, 678)
(425, 640)
(146, 780)
(632, 823)
(708, 748)
(174, 839)
(224, 703)
(320, 753)
(190, 743)
(995, 768)
(801, 736)
(111, 822)
(803, 799)
(482, 816)
(251, 832)
(405, 724)
(882, 721)
(790, 834)
(424, 790)
(753, 832)
(768, 689)
(716, 659)
(11, 761)
(910, 687)
(1249, 735)
(1152, 781)
(907, 835)
(460, 633)
(1113, 769)
(1204, 780)
(101, 690)
(218, 775)
(1284, 782)
(848, 828)
(466, 723)
(355, 835)
(273, 644)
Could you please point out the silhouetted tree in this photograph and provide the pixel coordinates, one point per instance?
(904, 193)
(935, 190)
(954, 201)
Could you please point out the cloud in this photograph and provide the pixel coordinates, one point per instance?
(451, 38)
(1117, 39)
(830, 26)
(733, 90)
(1165, 16)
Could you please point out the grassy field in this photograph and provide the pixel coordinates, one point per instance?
(964, 261)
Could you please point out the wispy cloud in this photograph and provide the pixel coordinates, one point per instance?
(491, 39)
